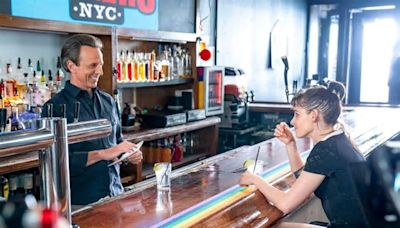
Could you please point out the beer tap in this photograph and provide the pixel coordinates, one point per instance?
(3, 119)
(285, 75)
(63, 110)
(76, 111)
(246, 96)
(286, 63)
(251, 96)
(50, 110)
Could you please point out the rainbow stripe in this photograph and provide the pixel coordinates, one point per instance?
(220, 201)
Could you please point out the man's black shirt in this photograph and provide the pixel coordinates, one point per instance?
(89, 183)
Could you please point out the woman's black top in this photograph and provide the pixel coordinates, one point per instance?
(339, 198)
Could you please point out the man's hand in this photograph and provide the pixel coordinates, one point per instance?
(283, 133)
(125, 147)
(136, 158)
(114, 152)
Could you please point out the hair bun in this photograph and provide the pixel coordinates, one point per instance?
(337, 88)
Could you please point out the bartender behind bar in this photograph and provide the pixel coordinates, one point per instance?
(91, 178)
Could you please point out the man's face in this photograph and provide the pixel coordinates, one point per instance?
(87, 73)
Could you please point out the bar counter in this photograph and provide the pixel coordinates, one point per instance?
(206, 194)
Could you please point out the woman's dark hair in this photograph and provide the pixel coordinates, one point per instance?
(328, 100)
(72, 47)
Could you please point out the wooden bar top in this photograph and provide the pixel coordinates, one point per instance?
(194, 185)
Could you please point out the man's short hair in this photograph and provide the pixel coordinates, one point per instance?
(72, 47)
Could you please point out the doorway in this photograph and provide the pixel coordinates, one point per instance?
(373, 39)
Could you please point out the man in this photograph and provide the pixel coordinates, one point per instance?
(91, 178)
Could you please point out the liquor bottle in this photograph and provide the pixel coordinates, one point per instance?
(157, 70)
(124, 76)
(2, 92)
(28, 183)
(10, 82)
(178, 155)
(36, 96)
(36, 183)
(135, 67)
(189, 64)
(151, 65)
(16, 123)
(38, 68)
(34, 78)
(141, 65)
(20, 185)
(172, 64)
(44, 89)
(165, 67)
(119, 67)
(30, 70)
(174, 59)
(180, 64)
(166, 151)
(59, 70)
(28, 96)
(8, 124)
(22, 87)
(51, 86)
(150, 152)
(43, 79)
(147, 66)
(19, 73)
(58, 81)
(4, 187)
(1, 101)
(129, 76)
(12, 185)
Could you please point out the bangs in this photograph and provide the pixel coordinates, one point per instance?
(298, 99)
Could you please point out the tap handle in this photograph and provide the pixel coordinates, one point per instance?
(246, 96)
(63, 110)
(76, 111)
(3, 119)
(50, 110)
(294, 87)
(251, 96)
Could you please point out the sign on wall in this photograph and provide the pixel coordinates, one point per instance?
(139, 14)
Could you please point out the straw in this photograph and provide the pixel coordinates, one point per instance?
(255, 163)
(170, 163)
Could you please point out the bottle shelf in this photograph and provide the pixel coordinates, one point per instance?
(19, 162)
(158, 133)
(178, 81)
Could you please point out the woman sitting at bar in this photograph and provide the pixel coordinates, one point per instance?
(325, 173)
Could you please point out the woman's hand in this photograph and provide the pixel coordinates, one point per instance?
(247, 178)
(283, 133)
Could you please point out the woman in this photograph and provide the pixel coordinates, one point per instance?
(316, 113)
